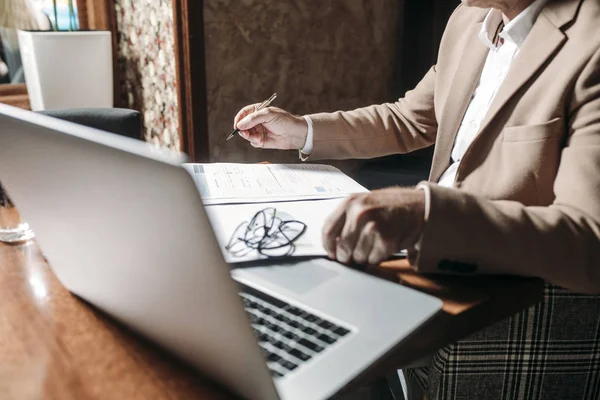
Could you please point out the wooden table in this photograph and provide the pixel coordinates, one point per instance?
(55, 346)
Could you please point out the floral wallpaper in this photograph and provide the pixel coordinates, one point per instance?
(146, 52)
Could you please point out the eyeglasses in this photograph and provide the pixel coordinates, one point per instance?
(267, 234)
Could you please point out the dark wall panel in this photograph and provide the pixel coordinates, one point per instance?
(318, 55)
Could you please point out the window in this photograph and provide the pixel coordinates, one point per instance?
(28, 14)
(65, 21)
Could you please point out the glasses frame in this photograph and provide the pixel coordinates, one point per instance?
(265, 232)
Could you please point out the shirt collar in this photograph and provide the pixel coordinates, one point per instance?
(515, 31)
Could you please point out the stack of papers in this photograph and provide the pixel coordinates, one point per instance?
(223, 183)
(303, 193)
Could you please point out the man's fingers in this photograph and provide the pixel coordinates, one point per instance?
(350, 233)
(245, 135)
(255, 136)
(332, 228)
(243, 112)
(331, 233)
(259, 138)
(364, 244)
(263, 116)
(379, 252)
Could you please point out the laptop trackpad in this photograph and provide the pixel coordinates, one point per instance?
(298, 278)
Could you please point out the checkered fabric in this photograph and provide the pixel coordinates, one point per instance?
(549, 351)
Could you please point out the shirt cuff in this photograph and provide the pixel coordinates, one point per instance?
(427, 191)
(308, 145)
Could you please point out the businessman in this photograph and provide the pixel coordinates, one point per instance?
(513, 108)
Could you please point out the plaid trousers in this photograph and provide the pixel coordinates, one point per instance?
(549, 351)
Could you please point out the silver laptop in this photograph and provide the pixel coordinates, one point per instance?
(122, 226)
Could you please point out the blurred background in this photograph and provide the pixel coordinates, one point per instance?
(188, 66)
(22, 14)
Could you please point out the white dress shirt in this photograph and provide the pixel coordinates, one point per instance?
(502, 53)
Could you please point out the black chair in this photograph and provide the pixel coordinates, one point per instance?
(115, 120)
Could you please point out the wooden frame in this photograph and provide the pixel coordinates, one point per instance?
(188, 17)
(93, 14)
(15, 95)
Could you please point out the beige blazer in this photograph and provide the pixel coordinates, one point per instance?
(527, 196)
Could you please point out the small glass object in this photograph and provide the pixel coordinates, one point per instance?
(12, 229)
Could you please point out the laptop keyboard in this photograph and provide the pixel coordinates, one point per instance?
(288, 336)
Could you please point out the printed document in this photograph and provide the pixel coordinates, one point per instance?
(228, 183)
(231, 224)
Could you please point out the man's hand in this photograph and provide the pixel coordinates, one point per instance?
(271, 128)
(368, 228)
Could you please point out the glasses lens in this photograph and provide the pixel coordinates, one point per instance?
(288, 232)
(258, 220)
(280, 251)
(267, 234)
(292, 230)
(238, 248)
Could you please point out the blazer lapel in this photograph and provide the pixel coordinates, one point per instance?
(473, 56)
(543, 42)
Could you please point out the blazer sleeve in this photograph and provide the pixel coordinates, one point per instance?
(559, 243)
(401, 127)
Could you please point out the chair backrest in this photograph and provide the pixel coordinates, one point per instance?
(121, 121)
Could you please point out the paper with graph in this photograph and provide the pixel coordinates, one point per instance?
(229, 183)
